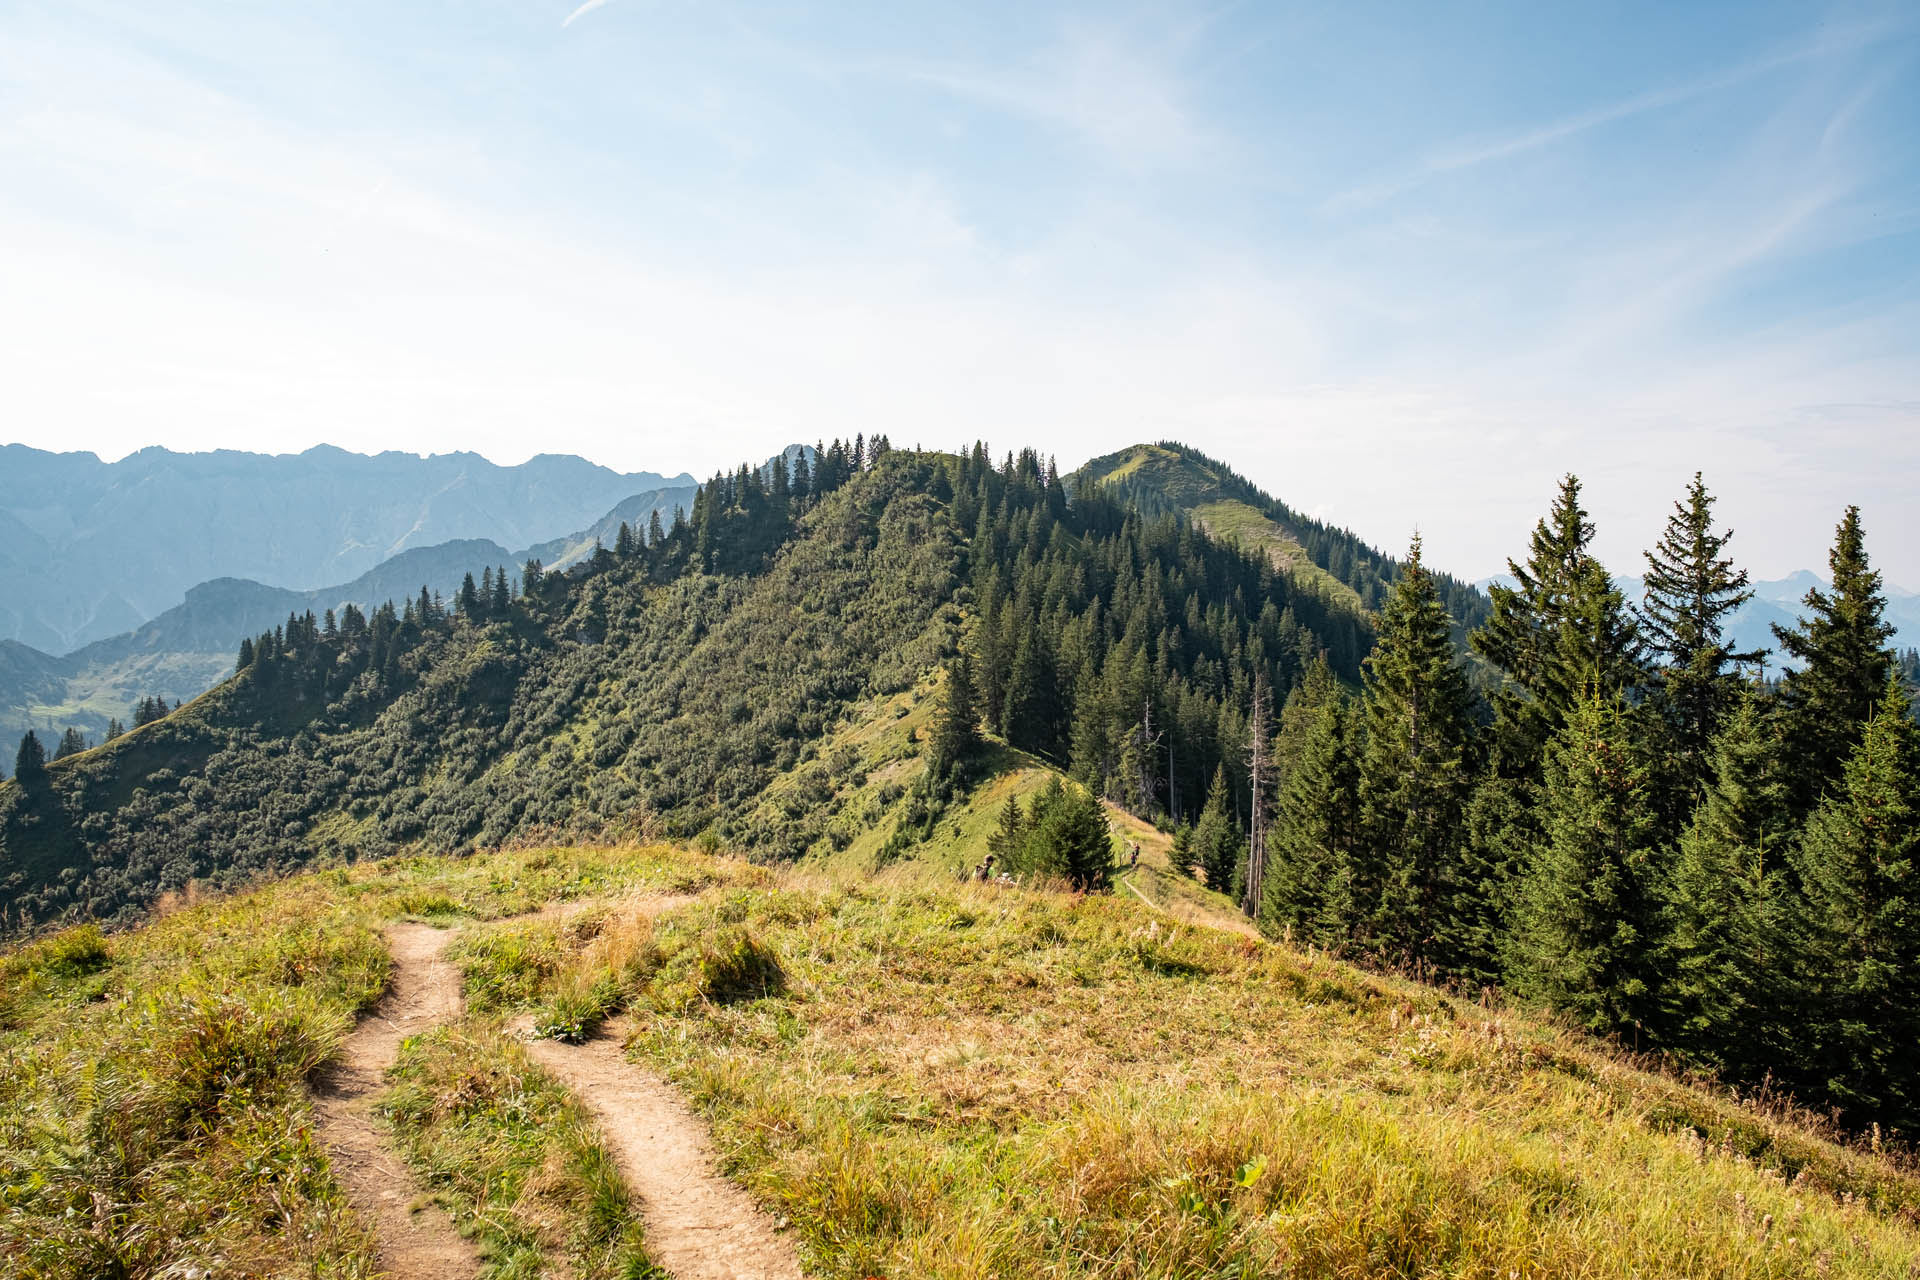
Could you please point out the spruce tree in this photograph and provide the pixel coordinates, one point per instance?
(1522, 633)
(114, 729)
(1077, 830)
(1692, 589)
(71, 744)
(1499, 842)
(1585, 931)
(1180, 857)
(1009, 834)
(1299, 716)
(1718, 950)
(1842, 661)
(1414, 767)
(1064, 834)
(1315, 828)
(245, 659)
(500, 601)
(956, 727)
(1216, 837)
(1857, 926)
(802, 483)
(1090, 747)
(1031, 718)
(30, 762)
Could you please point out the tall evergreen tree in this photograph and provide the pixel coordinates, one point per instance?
(1692, 589)
(1718, 949)
(1076, 828)
(1031, 719)
(956, 727)
(1414, 768)
(1858, 925)
(1216, 837)
(1522, 633)
(1842, 660)
(1009, 834)
(1500, 839)
(1560, 634)
(1299, 716)
(71, 744)
(1585, 912)
(1313, 839)
(30, 762)
(1064, 834)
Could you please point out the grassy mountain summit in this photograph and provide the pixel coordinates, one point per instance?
(1168, 475)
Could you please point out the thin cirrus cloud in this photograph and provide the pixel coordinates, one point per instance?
(1469, 154)
(582, 11)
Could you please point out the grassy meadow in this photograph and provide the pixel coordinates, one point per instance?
(924, 1077)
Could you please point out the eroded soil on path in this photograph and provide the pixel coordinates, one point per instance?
(412, 1244)
(700, 1226)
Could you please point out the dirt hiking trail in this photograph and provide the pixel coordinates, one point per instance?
(425, 993)
(700, 1226)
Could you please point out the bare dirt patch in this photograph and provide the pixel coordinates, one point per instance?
(700, 1226)
(418, 1243)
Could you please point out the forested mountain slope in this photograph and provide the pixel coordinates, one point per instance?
(186, 650)
(669, 683)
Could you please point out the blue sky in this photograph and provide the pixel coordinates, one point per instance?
(1401, 265)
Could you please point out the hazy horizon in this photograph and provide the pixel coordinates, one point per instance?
(1401, 270)
(1634, 569)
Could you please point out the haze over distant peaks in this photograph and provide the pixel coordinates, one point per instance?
(90, 549)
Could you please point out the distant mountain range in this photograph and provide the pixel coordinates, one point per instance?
(181, 651)
(1778, 600)
(92, 549)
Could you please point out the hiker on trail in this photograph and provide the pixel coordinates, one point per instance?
(984, 872)
(1133, 856)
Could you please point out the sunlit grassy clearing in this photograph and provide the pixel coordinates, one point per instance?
(968, 1081)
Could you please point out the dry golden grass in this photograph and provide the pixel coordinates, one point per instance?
(967, 1081)
(927, 1078)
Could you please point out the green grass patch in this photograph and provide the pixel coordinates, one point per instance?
(153, 1105)
(513, 1157)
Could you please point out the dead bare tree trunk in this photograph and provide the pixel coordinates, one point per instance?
(1257, 801)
